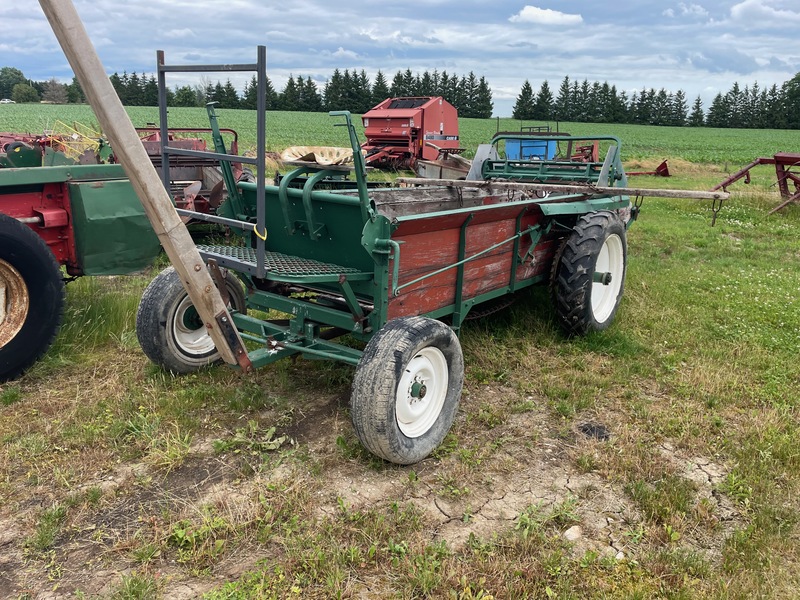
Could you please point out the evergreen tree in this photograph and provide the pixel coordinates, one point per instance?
(333, 92)
(775, 112)
(363, 93)
(426, 85)
(134, 90)
(75, 92)
(543, 106)
(230, 99)
(719, 112)
(483, 105)
(250, 94)
(185, 96)
(469, 91)
(218, 94)
(697, 117)
(524, 109)
(736, 106)
(678, 109)
(398, 87)
(290, 96)
(563, 108)
(150, 91)
(791, 97)
(310, 99)
(380, 89)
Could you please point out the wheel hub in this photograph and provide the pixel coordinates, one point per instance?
(14, 302)
(421, 392)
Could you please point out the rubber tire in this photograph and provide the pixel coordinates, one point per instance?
(156, 317)
(573, 284)
(21, 248)
(375, 386)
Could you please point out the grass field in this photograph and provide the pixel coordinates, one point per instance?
(723, 147)
(657, 459)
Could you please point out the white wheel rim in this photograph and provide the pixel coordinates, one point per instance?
(190, 339)
(611, 259)
(421, 392)
(14, 302)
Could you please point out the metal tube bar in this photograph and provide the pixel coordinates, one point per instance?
(466, 260)
(215, 155)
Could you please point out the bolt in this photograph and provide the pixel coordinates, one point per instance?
(197, 267)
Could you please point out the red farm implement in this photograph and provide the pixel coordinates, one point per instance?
(401, 130)
(784, 163)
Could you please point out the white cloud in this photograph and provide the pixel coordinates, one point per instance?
(545, 16)
(686, 10)
(755, 13)
(341, 53)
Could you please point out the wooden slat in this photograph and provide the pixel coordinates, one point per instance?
(492, 185)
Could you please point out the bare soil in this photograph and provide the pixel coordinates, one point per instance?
(528, 459)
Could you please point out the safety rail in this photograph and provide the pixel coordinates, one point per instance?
(221, 155)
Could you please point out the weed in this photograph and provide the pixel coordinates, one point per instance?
(136, 587)
(47, 527)
(10, 395)
(663, 498)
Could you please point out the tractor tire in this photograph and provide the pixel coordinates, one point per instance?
(406, 389)
(31, 297)
(590, 274)
(169, 329)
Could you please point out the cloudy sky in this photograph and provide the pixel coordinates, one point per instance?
(700, 47)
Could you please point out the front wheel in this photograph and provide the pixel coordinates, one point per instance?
(590, 274)
(31, 297)
(170, 330)
(407, 388)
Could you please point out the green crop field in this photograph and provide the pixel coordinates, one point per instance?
(657, 459)
(732, 147)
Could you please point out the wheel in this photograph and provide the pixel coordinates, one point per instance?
(31, 297)
(590, 274)
(406, 389)
(169, 329)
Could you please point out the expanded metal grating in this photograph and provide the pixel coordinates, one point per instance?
(280, 264)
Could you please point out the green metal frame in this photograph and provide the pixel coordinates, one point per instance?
(335, 252)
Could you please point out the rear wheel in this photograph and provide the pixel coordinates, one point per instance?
(31, 297)
(170, 331)
(407, 388)
(590, 274)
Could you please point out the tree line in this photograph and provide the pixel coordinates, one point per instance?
(751, 106)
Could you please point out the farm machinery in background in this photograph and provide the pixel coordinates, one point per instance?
(66, 202)
(400, 131)
(784, 163)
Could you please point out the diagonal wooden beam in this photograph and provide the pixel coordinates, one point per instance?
(169, 228)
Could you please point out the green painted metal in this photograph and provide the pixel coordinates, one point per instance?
(234, 197)
(608, 172)
(112, 233)
(461, 310)
(337, 249)
(60, 174)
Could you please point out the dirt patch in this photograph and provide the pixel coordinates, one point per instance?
(520, 461)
